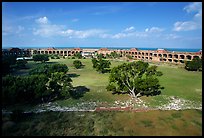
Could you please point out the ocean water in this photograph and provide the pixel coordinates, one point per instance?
(168, 49)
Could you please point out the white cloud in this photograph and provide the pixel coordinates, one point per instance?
(171, 36)
(119, 35)
(11, 30)
(193, 7)
(154, 29)
(129, 29)
(185, 26)
(195, 23)
(129, 34)
(82, 33)
(42, 20)
(48, 30)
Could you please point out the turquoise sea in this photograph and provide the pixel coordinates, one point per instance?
(169, 49)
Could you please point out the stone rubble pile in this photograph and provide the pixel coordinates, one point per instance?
(179, 104)
(173, 104)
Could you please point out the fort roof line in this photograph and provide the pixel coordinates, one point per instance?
(159, 55)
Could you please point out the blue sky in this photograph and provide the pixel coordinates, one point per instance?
(102, 24)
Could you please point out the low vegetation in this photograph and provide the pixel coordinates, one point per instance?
(85, 87)
(45, 84)
(194, 65)
(77, 64)
(101, 65)
(135, 78)
(40, 57)
(151, 123)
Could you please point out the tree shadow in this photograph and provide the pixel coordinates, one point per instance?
(119, 93)
(155, 93)
(73, 75)
(79, 92)
(51, 62)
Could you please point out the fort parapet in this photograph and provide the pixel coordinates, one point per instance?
(159, 55)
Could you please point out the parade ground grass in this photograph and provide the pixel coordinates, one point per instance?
(176, 80)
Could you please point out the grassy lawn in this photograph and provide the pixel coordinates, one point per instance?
(176, 80)
(151, 123)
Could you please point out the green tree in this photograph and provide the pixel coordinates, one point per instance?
(78, 55)
(23, 89)
(194, 65)
(77, 64)
(48, 69)
(7, 63)
(94, 62)
(114, 55)
(35, 88)
(100, 56)
(41, 57)
(21, 63)
(59, 85)
(129, 56)
(135, 78)
(101, 65)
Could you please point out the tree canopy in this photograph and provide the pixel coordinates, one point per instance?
(135, 78)
(101, 65)
(47, 69)
(77, 64)
(45, 83)
(194, 65)
(41, 57)
(78, 55)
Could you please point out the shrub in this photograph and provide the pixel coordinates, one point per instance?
(77, 64)
(194, 65)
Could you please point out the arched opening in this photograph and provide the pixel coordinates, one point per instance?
(175, 60)
(188, 57)
(181, 61)
(182, 56)
(175, 56)
(195, 56)
(170, 55)
(165, 55)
